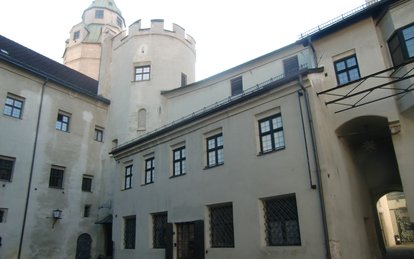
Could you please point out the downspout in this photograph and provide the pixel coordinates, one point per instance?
(31, 168)
(318, 168)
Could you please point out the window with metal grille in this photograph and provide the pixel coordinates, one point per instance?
(221, 226)
(149, 170)
(62, 122)
(129, 232)
(56, 177)
(281, 221)
(271, 133)
(98, 134)
(215, 152)
(87, 183)
(6, 167)
(291, 65)
(401, 45)
(128, 177)
(159, 228)
(347, 70)
(142, 73)
(179, 161)
(99, 14)
(236, 86)
(13, 106)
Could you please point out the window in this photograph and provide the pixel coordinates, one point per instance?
(179, 165)
(142, 119)
(221, 226)
(401, 45)
(159, 228)
(271, 134)
(86, 211)
(3, 214)
(13, 106)
(76, 35)
(98, 134)
(62, 122)
(149, 170)
(215, 152)
(281, 221)
(128, 177)
(6, 168)
(56, 177)
(142, 73)
(129, 232)
(347, 70)
(291, 65)
(119, 21)
(86, 183)
(99, 14)
(183, 79)
(236, 86)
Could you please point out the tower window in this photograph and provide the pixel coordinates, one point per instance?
(76, 35)
(119, 21)
(99, 14)
(183, 79)
(142, 73)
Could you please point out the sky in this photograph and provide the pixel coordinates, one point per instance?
(227, 32)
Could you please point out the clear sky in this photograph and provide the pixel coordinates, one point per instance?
(227, 32)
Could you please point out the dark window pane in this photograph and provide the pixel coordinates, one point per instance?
(129, 233)
(221, 226)
(159, 230)
(6, 169)
(56, 178)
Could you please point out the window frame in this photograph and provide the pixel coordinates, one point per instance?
(159, 232)
(76, 35)
(8, 171)
(217, 228)
(87, 183)
(62, 125)
(87, 210)
(347, 69)
(236, 85)
(145, 75)
(130, 225)
(149, 170)
(183, 79)
(128, 177)
(291, 66)
(271, 132)
(98, 134)
(99, 14)
(12, 106)
(216, 150)
(401, 46)
(3, 215)
(56, 177)
(181, 161)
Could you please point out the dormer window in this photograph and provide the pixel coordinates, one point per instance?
(99, 14)
(76, 35)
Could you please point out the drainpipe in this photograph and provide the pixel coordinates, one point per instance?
(318, 168)
(31, 168)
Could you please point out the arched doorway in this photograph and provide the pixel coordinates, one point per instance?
(83, 246)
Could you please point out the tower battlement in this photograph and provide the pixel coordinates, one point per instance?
(157, 26)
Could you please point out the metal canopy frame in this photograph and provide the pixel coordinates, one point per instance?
(359, 92)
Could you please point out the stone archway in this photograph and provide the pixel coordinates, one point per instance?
(83, 246)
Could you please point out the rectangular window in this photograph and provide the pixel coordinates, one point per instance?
(62, 122)
(221, 226)
(149, 170)
(99, 14)
(236, 86)
(119, 21)
(86, 211)
(128, 177)
(346, 70)
(3, 214)
(215, 151)
(6, 168)
(129, 232)
(291, 65)
(13, 106)
(271, 133)
(159, 228)
(179, 161)
(56, 177)
(142, 73)
(281, 221)
(76, 35)
(98, 134)
(87, 183)
(183, 79)
(401, 45)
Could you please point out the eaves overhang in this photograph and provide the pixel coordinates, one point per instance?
(227, 103)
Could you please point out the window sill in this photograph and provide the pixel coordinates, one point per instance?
(213, 166)
(270, 151)
(178, 175)
(144, 184)
(125, 189)
(63, 131)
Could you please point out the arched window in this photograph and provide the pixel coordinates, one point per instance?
(142, 119)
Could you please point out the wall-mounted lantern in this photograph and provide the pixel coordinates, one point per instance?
(56, 214)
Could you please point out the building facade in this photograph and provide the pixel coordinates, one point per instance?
(284, 156)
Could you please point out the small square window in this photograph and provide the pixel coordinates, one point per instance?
(87, 183)
(215, 151)
(6, 168)
(142, 73)
(99, 14)
(62, 122)
(128, 177)
(87, 211)
(159, 228)
(179, 161)
(76, 35)
(129, 232)
(221, 225)
(149, 170)
(347, 70)
(271, 134)
(56, 177)
(13, 106)
(236, 85)
(98, 134)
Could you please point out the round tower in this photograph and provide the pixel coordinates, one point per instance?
(83, 48)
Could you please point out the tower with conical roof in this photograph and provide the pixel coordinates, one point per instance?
(83, 48)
